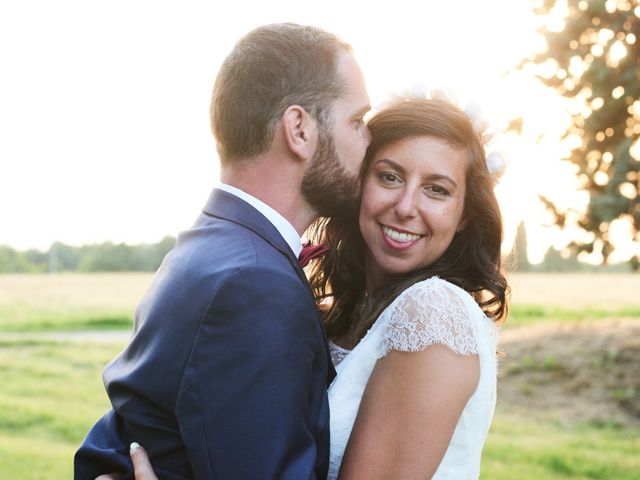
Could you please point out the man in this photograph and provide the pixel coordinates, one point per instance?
(226, 374)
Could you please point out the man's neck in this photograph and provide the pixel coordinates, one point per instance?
(279, 190)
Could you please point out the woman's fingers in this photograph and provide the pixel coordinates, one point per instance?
(141, 465)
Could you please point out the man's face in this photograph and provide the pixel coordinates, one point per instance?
(350, 133)
(331, 183)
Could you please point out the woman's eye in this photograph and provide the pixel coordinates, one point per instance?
(388, 177)
(437, 191)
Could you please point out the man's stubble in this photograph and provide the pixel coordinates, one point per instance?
(328, 187)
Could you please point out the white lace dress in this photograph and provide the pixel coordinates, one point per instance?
(430, 312)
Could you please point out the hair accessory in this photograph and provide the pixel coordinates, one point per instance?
(497, 162)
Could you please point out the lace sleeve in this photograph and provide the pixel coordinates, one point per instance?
(428, 313)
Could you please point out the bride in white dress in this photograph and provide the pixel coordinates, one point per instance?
(432, 312)
(416, 291)
(415, 389)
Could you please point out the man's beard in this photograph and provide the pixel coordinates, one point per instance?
(327, 185)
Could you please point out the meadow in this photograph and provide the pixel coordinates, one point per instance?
(52, 389)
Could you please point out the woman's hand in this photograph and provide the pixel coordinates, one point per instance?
(141, 466)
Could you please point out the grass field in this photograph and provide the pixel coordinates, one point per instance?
(108, 301)
(52, 390)
(570, 297)
(70, 301)
(51, 394)
(519, 448)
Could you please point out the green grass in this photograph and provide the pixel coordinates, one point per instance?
(31, 319)
(51, 395)
(521, 448)
(107, 301)
(520, 314)
(35, 320)
(70, 301)
(35, 458)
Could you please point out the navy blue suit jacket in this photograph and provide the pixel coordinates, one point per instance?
(226, 374)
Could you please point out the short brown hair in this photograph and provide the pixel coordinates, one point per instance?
(269, 69)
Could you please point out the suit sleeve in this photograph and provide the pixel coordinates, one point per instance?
(254, 387)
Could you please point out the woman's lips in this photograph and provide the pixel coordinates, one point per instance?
(398, 239)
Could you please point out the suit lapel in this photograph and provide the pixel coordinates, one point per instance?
(225, 205)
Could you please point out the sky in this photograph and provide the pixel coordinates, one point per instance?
(104, 127)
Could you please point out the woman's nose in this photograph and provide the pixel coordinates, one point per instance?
(407, 203)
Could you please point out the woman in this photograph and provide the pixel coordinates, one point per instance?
(418, 304)
(414, 291)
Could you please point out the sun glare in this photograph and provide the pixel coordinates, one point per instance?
(117, 145)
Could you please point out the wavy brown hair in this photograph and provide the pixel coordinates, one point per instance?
(473, 259)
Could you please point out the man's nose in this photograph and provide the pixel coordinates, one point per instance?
(367, 135)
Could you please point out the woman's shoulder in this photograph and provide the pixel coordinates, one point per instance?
(436, 283)
(436, 292)
(434, 311)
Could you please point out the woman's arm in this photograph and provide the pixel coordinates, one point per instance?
(408, 413)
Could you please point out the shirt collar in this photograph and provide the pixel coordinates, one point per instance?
(283, 226)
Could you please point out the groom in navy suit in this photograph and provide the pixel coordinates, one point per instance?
(226, 374)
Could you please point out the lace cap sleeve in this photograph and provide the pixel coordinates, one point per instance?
(428, 313)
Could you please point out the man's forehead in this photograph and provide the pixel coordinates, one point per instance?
(355, 87)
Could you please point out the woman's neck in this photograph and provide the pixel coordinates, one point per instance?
(373, 274)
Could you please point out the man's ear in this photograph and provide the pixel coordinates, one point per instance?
(300, 132)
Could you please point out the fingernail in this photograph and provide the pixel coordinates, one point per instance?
(134, 445)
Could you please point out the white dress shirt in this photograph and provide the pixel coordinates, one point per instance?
(283, 226)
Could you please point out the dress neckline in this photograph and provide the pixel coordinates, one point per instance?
(338, 347)
(338, 353)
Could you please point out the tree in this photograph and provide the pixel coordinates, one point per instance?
(518, 256)
(554, 261)
(595, 60)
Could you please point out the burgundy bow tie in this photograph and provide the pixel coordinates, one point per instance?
(310, 251)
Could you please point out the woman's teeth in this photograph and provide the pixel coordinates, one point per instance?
(399, 236)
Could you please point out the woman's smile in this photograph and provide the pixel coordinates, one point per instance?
(412, 204)
(399, 239)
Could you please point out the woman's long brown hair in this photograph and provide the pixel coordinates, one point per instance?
(473, 259)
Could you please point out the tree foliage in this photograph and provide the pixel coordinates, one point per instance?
(101, 257)
(595, 60)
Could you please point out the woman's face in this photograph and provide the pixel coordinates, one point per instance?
(412, 205)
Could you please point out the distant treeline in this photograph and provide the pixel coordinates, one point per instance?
(555, 261)
(111, 257)
(101, 257)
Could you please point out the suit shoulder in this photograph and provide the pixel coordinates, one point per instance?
(221, 244)
(266, 279)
